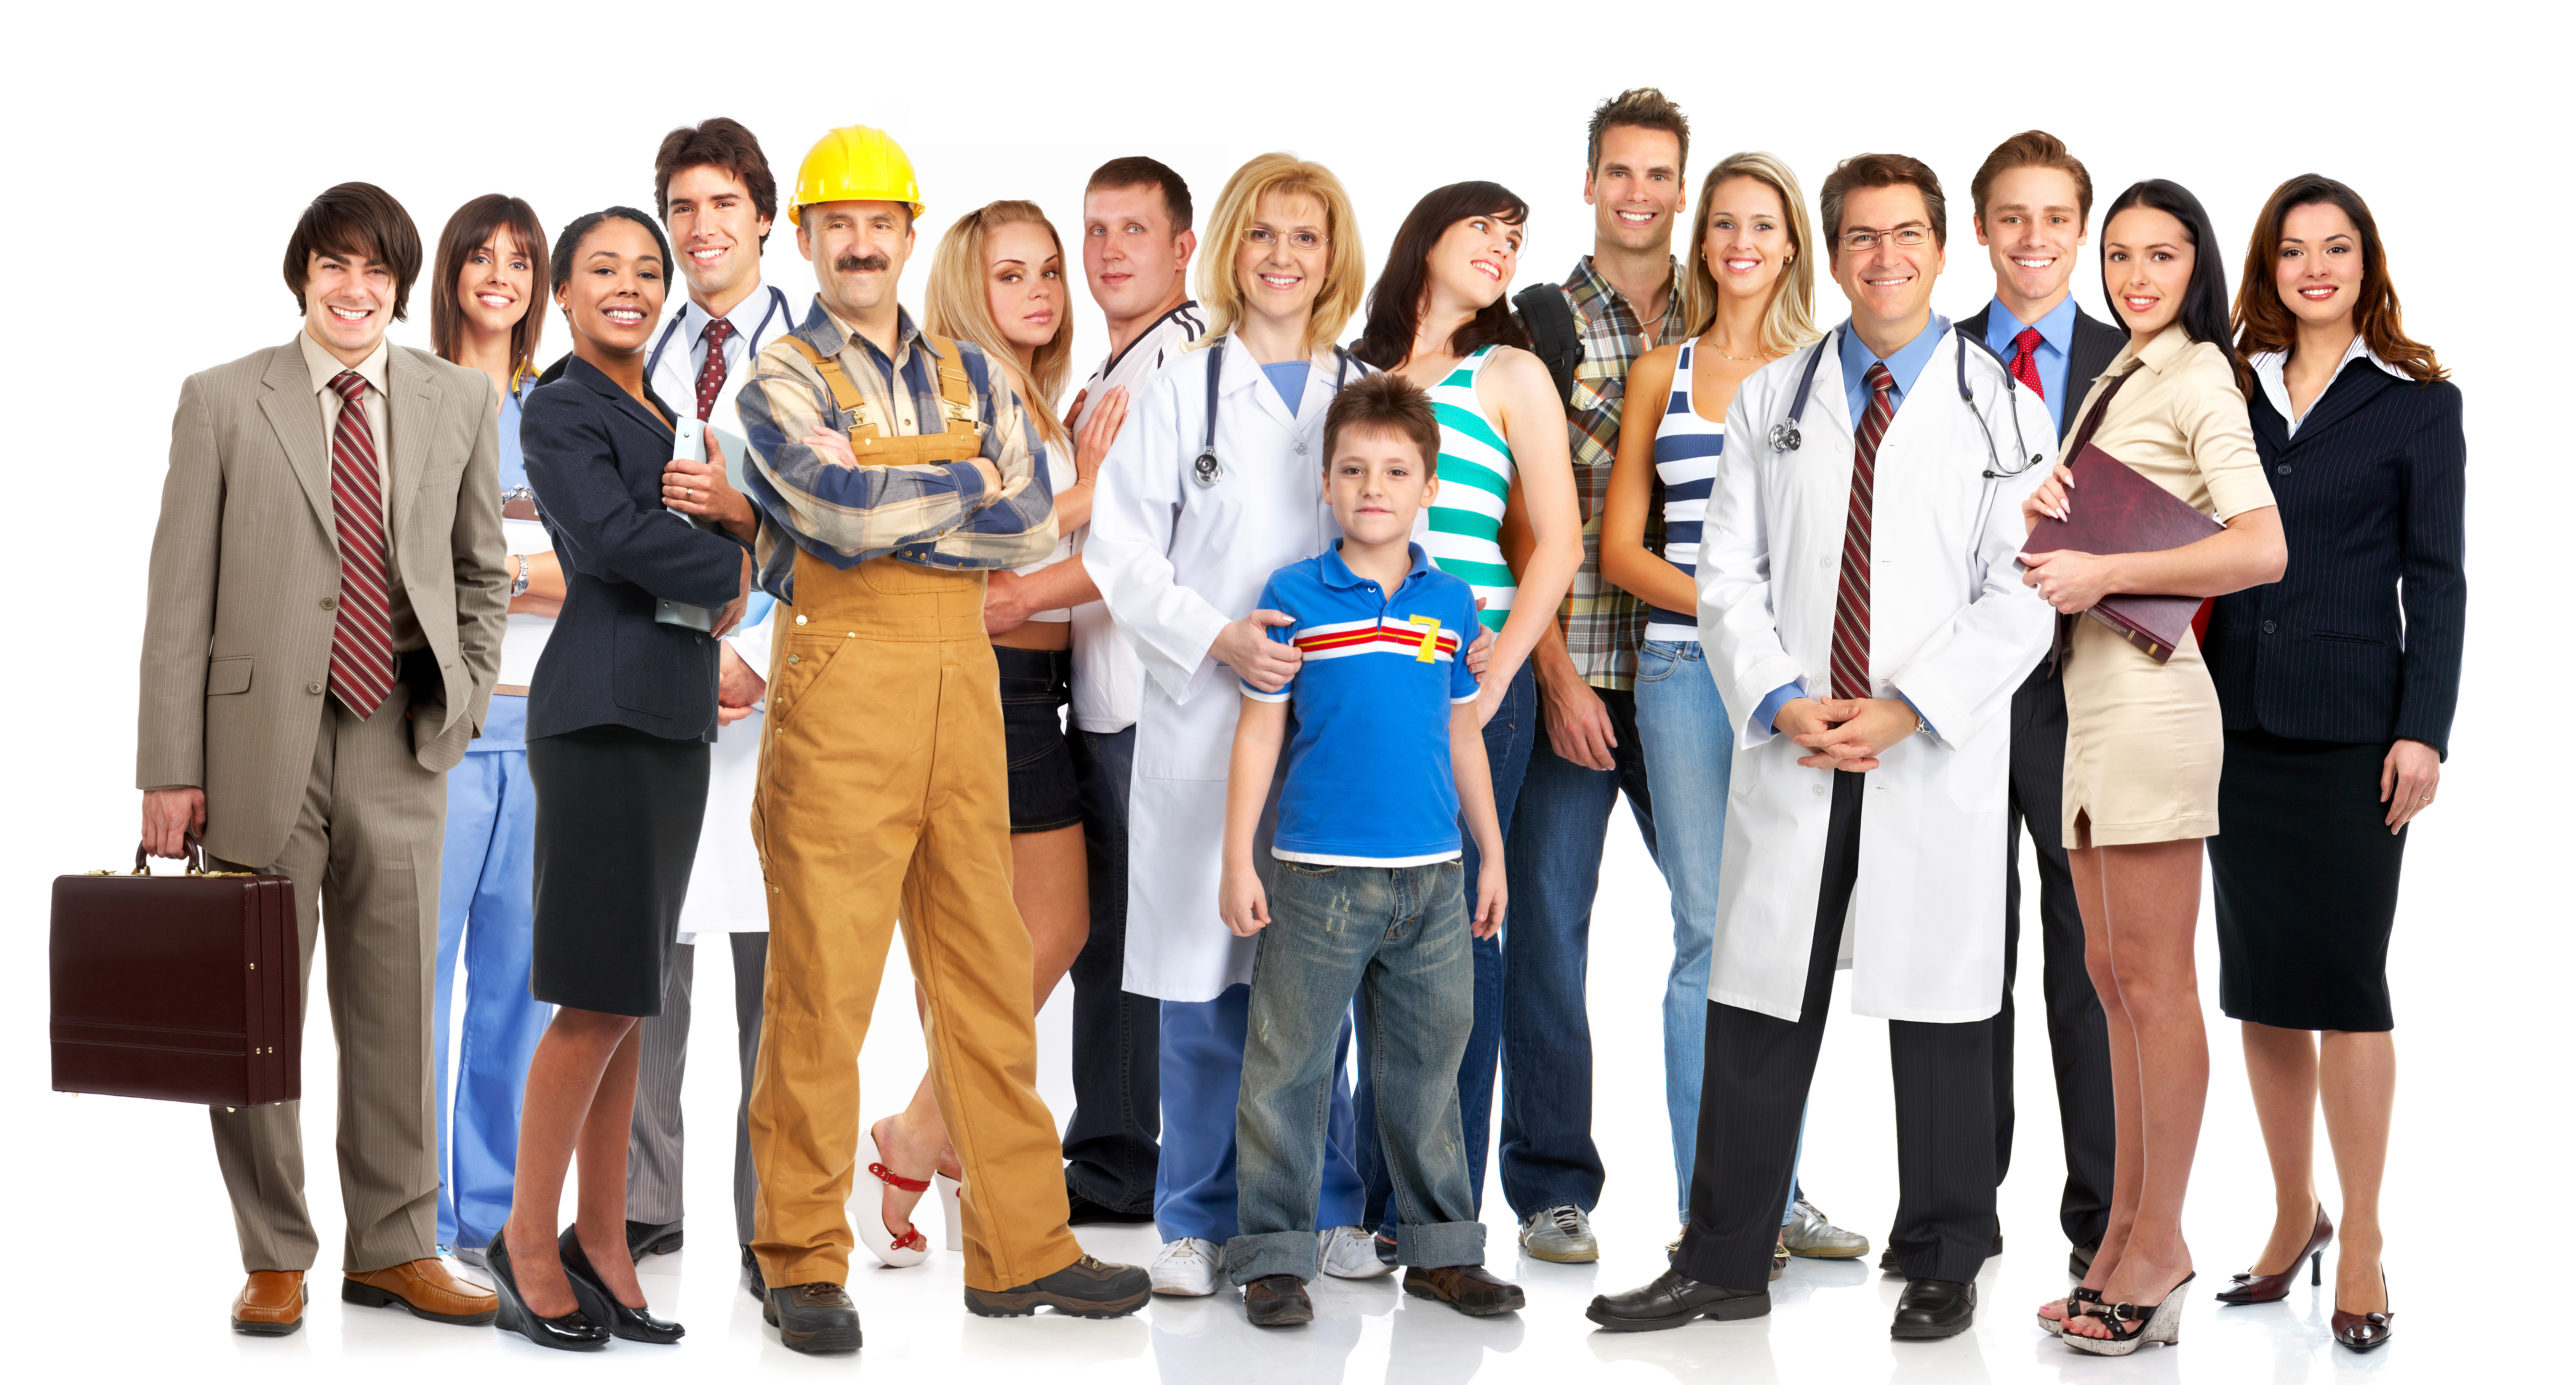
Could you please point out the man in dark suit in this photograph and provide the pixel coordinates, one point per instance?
(327, 593)
(2031, 207)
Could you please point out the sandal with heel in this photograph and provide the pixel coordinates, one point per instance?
(2129, 1325)
(872, 1178)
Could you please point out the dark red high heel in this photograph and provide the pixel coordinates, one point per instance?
(2267, 1288)
(2361, 1332)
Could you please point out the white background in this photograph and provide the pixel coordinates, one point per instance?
(158, 161)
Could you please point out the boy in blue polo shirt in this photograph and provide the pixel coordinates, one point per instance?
(1365, 902)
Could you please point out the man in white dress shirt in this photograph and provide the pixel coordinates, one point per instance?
(717, 197)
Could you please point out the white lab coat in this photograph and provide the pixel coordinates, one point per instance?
(1176, 561)
(726, 893)
(1953, 630)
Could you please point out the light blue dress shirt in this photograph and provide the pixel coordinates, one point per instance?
(1904, 366)
(2053, 352)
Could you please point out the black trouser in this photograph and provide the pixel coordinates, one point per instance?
(1759, 1069)
(1110, 1142)
(2074, 1024)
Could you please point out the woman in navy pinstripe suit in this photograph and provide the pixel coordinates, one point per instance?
(2337, 686)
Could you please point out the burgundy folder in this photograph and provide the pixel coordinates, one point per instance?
(177, 987)
(2115, 509)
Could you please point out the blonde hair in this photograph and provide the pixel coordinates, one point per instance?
(955, 305)
(1790, 325)
(1345, 271)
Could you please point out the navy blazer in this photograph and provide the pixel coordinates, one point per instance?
(594, 457)
(2362, 638)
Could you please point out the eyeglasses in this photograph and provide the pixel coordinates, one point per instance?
(1910, 236)
(1265, 238)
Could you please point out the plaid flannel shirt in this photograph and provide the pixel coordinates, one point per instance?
(1601, 622)
(932, 516)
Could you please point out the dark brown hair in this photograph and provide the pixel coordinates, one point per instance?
(1645, 108)
(2203, 314)
(474, 225)
(2267, 325)
(2030, 149)
(1389, 404)
(1139, 171)
(1879, 171)
(726, 145)
(355, 219)
(1395, 301)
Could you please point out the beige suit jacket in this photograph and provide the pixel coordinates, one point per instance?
(245, 571)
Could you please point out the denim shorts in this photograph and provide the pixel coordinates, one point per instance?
(1041, 777)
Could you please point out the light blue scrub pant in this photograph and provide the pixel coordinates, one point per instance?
(485, 921)
(1200, 1066)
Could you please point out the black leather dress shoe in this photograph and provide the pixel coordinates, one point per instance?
(1933, 1308)
(1278, 1300)
(599, 1304)
(1089, 1288)
(815, 1318)
(1672, 1300)
(653, 1238)
(754, 1272)
(1084, 1211)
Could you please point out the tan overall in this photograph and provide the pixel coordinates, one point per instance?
(882, 797)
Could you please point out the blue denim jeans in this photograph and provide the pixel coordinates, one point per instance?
(484, 925)
(1392, 941)
(1548, 1158)
(1110, 1140)
(1506, 750)
(1688, 744)
(1201, 1066)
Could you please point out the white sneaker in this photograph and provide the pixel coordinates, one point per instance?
(1350, 1252)
(1187, 1268)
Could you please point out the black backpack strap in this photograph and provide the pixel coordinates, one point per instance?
(1548, 315)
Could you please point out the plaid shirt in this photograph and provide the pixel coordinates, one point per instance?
(1602, 623)
(932, 516)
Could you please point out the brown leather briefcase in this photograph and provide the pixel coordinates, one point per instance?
(177, 987)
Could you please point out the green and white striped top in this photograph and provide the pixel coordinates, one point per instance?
(1475, 486)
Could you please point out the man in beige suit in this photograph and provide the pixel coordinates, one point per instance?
(327, 596)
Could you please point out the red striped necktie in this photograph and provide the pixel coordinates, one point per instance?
(360, 651)
(1849, 623)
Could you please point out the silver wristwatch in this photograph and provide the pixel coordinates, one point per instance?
(524, 577)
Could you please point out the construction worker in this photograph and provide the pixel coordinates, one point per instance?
(883, 788)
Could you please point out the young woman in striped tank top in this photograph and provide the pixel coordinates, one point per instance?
(1754, 287)
(1440, 318)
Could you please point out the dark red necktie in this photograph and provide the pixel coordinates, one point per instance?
(715, 368)
(1849, 622)
(360, 650)
(2023, 365)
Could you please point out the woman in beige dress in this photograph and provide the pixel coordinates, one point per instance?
(2141, 769)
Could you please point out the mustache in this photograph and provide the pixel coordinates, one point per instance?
(849, 262)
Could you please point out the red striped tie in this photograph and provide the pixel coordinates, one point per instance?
(1849, 625)
(360, 651)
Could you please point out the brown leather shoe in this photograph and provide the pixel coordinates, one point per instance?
(426, 1288)
(270, 1304)
(1466, 1288)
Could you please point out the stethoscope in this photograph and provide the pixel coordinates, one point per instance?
(775, 304)
(1786, 436)
(1206, 470)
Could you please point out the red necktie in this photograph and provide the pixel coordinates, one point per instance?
(2023, 365)
(1849, 624)
(715, 368)
(360, 650)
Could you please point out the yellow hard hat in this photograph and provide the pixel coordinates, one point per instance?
(856, 163)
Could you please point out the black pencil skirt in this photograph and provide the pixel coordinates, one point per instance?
(2306, 879)
(617, 815)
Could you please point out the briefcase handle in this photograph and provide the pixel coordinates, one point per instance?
(194, 858)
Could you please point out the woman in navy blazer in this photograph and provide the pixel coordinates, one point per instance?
(617, 739)
(2337, 686)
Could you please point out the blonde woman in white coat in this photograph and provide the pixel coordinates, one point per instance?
(1188, 521)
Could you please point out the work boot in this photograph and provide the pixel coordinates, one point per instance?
(815, 1318)
(1089, 1288)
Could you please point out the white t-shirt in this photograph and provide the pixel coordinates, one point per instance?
(1106, 682)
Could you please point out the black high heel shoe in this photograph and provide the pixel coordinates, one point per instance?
(598, 1304)
(571, 1331)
